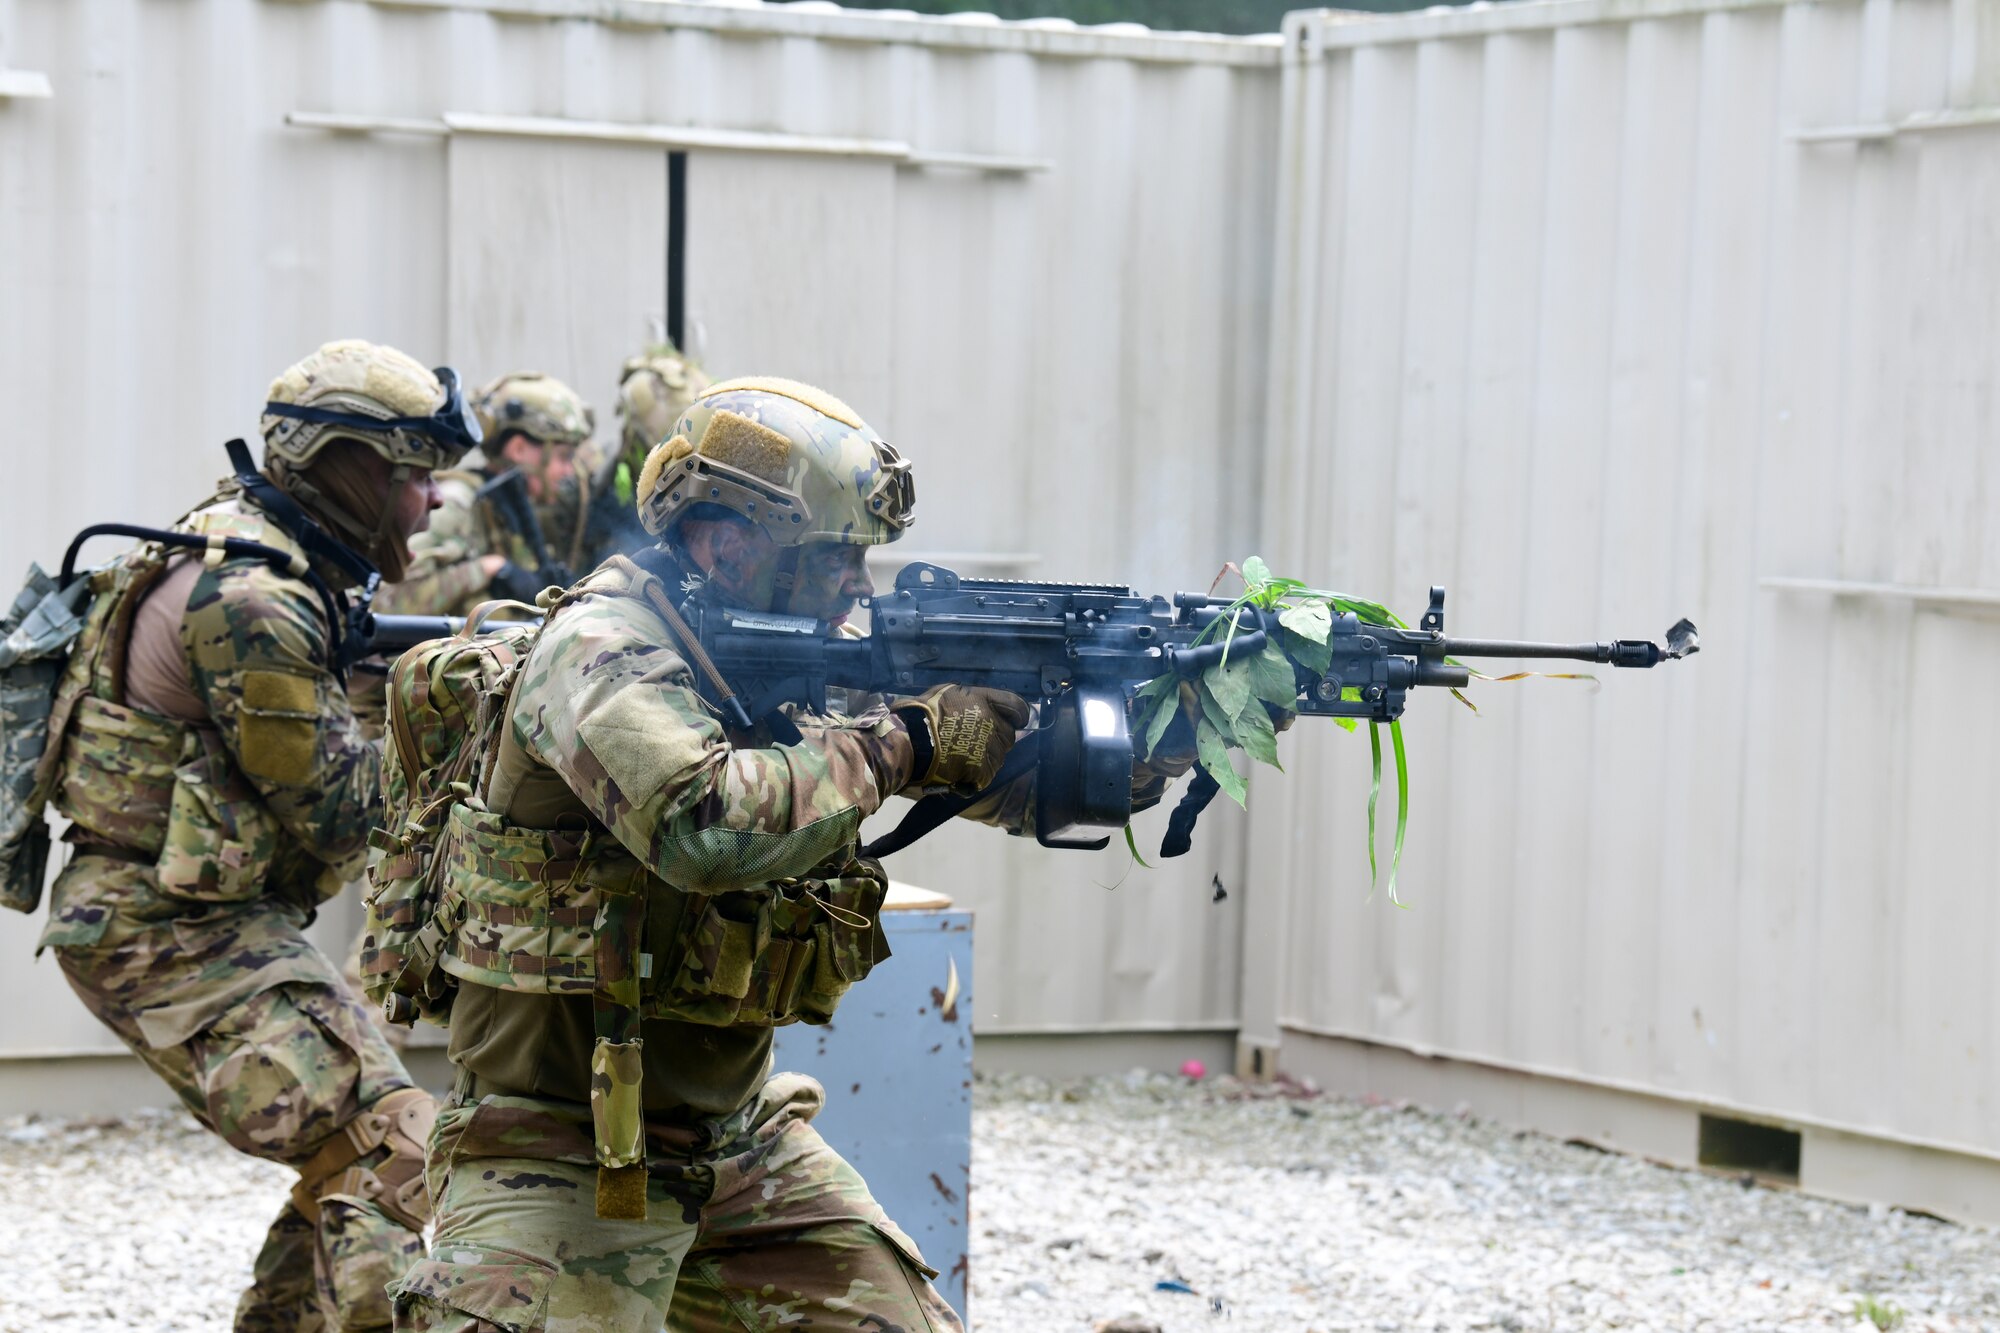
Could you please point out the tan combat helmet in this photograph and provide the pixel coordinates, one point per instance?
(653, 390)
(355, 390)
(792, 459)
(538, 406)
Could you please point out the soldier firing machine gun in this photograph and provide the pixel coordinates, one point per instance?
(1076, 651)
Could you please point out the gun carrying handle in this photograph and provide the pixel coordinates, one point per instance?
(1180, 825)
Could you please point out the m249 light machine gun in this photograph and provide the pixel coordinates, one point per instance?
(1078, 652)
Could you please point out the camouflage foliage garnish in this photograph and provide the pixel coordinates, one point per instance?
(1239, 696)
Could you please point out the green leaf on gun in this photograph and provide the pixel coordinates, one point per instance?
(1310, 621)
(1164, 710)
(1132, 845)
(1272, 678)
(1215, 758)
(1314, 657)
(1374, 790)
(1258, 737)
(1229, 683)
(1402, 807)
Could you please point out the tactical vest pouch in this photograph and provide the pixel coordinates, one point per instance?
(446, 703)
(528, 902)
(118, 773)
(846, 949)
(778, 956)
(220, 840)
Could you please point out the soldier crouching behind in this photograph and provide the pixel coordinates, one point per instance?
(620, 1156)
(484, 543)
(220, 790)
(594, 514)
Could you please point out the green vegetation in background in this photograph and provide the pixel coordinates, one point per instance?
(1231, 16)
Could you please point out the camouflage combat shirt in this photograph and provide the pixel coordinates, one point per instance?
(606, 725)
(275, 744)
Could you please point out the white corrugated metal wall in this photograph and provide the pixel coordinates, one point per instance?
(1601, 313)
(1596, 312)
(1067, 334)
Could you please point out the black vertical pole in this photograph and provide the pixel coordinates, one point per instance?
(677, 174)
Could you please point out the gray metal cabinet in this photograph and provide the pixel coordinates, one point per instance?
(897, 1066)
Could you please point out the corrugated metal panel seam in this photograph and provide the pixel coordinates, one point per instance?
(1699, 1101)
(1042, 38)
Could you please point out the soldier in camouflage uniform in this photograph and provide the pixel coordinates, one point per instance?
(640, 895)
(220, 790)
(476, 548)
(593, 516)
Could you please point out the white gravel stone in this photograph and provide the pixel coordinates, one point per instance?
(1276, 1210)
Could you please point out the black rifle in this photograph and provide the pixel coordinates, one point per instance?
(509, 494)
(611, 526)
(1077, 651)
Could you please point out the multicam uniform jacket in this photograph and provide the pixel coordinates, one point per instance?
(704, 881)
(206, 829)
(445, 578)
(272, 793)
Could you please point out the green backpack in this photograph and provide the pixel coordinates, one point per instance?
(447, 701)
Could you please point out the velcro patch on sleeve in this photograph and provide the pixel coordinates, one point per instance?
(279, 727)
(643, 743)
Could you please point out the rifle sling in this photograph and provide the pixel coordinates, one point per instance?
(726, 698)
(933, 812)
(345, 643)
(1180, 825)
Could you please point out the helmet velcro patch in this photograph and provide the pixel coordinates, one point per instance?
(819, 400)
(746, 445)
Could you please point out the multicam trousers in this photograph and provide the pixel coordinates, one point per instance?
(257, 1035)
(754, 1224)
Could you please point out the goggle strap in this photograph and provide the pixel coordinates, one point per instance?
(437, 427)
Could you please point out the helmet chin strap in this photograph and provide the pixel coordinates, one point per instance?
(344, 620)
(385, 537)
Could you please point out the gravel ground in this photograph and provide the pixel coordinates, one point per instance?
(1257, 1209)
(1284, 1210)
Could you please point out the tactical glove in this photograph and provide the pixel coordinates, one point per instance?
(961, 734)
(517, 584)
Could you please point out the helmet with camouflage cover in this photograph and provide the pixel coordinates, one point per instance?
(538, 406)
(653, 390)
(376, 395)
(792, 459)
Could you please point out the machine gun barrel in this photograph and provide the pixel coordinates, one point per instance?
(1620, 653)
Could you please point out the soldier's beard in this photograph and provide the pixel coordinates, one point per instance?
(343, 487)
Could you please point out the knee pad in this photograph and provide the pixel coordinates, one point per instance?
(377, 1158)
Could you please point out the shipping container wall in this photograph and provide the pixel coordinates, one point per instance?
(1599, 315)
(1037, 258)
